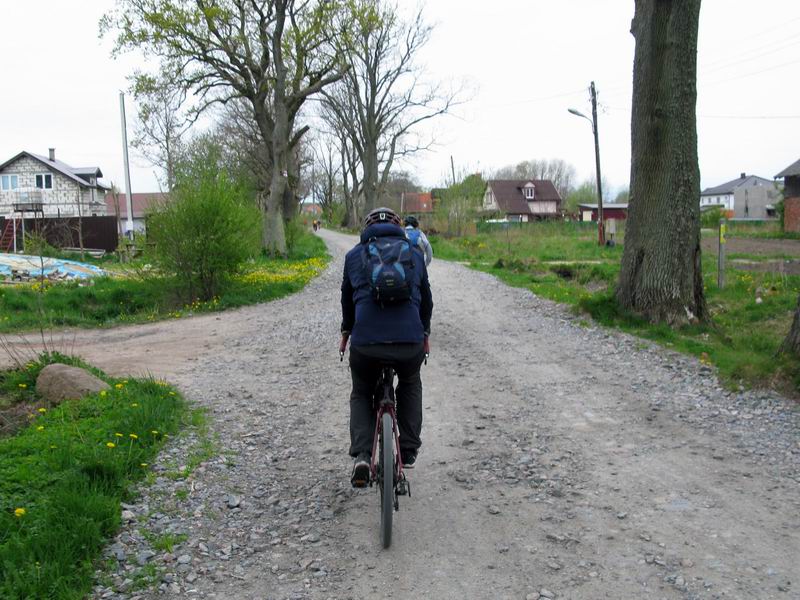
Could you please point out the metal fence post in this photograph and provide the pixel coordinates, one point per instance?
(721, 255)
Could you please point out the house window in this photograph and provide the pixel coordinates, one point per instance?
(44, 181)
(529, 193)
(9, 182)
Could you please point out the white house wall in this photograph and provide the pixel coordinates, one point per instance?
(543, 207)
(723, 200)
(62, 200)
(489, 202)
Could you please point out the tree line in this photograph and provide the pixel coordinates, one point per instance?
(331, 83)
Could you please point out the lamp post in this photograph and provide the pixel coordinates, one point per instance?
(601, 237)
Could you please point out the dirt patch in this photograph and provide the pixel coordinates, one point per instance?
(15, 416)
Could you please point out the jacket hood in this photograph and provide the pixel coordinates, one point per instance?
(382, 230)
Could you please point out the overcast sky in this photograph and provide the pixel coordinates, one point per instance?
(524, 61)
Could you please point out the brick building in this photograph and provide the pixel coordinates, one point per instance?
(791, 196)
(50, 187)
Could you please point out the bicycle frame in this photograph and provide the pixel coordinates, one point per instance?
(387, 403)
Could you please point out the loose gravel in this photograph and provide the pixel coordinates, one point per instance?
(559, 461)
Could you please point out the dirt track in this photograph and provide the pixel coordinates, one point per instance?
(556, 458)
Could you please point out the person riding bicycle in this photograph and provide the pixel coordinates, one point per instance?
(418, 238)
(384, 329)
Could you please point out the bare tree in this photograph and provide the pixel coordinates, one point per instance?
(557, 170)
(161, 124)
(325, 169)
(274, 54)
(382, 98)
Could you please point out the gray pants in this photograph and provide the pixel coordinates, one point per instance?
(365, 367)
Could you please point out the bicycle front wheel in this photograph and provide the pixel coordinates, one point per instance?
(387, 480)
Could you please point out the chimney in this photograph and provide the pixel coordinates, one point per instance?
(53, 155)
(744, 175)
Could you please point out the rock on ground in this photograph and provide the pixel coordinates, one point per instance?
(58, 382)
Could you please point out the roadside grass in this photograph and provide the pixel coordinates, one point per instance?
(566, 265)
(140, 297)
(63, 477)
(755, 229)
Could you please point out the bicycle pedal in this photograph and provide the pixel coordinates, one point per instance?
(404, 488)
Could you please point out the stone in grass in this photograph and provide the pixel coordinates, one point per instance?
(59, 382)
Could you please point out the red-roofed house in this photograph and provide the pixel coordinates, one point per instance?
(142, 205)
(416, 203)
(522, 199)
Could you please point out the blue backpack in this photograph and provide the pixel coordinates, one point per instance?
(413, 236)
(388, 266)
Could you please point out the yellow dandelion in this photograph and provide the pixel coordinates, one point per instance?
(172, 393)
(52, 447)
(40, 428)
(133, 436)
(103, 394)
(22, 386)
(119, 386)
(134, 405)
(42, 410)
(111, 445)
(119, 434)
(154, 432)
(143, 464)
(19, 512)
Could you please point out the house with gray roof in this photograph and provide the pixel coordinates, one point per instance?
(522, 199)
(791, 178)
(34, 184)
(746, 197)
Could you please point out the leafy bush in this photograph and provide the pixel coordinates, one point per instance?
(710, 218)
(207, 230)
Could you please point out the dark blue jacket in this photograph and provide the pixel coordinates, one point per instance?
(367, 321)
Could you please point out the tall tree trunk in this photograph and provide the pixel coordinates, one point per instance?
(370, 177)
(791, 344)
(661, 275)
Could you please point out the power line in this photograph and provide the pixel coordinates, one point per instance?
(752, 73)
(733, 117)
(742, 58)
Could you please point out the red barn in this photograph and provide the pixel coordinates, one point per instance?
(611, 210)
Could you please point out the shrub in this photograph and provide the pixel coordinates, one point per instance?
(710, 218)
(207, 230)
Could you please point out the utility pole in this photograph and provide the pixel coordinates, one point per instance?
(129, 200)
(600, 223)
(453, 169)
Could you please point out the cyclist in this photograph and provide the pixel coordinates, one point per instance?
(418, 238)
(396, 333)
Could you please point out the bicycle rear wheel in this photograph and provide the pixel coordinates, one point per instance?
(386, 458)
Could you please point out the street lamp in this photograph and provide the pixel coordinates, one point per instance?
(601, 231)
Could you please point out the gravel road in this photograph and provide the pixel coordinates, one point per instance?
(558, 461)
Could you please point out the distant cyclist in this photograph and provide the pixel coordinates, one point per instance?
(386, 313)
(418, 238)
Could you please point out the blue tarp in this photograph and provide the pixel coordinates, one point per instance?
(32, 266)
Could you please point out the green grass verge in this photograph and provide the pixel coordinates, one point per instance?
(135, 299)
(563, 263)
(62, 479)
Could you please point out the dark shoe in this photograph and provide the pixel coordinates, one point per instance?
(360, 477)
(409, 457)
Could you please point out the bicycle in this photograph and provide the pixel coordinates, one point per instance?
(386, 455)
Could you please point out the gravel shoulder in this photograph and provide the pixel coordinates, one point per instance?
(558, 461)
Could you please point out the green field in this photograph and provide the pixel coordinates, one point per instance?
(64, 474)
(135, 294)
(562, 262)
